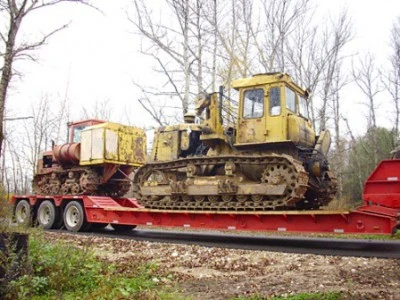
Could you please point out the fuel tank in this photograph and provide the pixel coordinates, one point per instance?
(68, 153)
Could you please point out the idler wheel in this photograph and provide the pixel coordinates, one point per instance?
(84, 181)
(55, 188)
(282, 173)
(242, 198)
(227, 198)
(153, 177)
(213, 199)
(65, 189)
(199, 199)
(89, 181)
(75, 189)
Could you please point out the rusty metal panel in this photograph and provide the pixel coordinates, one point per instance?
(206, 189)
(131, 145)
(262, 189)
(67, 153)
(160, 190)
(111, 143)
(97, 144)
(167, 145)
(185, 140)
(86, 145)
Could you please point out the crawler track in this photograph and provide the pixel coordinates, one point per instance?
(78, 181)
(195, 184)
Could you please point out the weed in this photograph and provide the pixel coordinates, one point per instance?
(301, 296)
(311, 296)
(61, 271)
(6, 211)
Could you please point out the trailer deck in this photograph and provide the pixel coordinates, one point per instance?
(367, 219)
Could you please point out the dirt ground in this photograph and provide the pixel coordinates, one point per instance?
(213, 273)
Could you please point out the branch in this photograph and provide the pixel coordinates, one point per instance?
(149, 107)
(33, 46)
(151, 110)
(54, 2)
(3, 38)
(171, 81)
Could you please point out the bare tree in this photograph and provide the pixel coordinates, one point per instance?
(339, 80)
(198, 33)
(23, 144)
(357, 166)
(227, 36)
(313, 54)
(38, 135)
(14, 12)
(334, 40)
(157, 113)
(282, 18)
(367, 78)
(102, 110)
(244, 41)
(169, 54)
(391, 78)
(215, 45)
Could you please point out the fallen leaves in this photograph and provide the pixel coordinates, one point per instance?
(217, 273)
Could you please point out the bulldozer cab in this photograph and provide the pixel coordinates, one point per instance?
(272, 109)
(75, 128)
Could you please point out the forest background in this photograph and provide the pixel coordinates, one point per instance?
(142, 63)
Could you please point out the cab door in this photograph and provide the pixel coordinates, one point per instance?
(275, 128)
(251, 126)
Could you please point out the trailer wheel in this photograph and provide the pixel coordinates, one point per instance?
(122, 228)
(74, 217)
(23, 213)
(49, 216)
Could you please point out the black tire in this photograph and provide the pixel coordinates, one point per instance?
(74, 217)
(23, 213)
(122, 228)
(49, 216)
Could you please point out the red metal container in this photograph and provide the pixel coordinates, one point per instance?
(383, 185)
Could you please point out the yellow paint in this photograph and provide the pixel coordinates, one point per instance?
(268, 114)
(212, 126)
(114, 144)
(300, 131)
(275, 123)
(324, 142)
(170, 141)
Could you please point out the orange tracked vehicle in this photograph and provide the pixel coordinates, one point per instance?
(98, 159)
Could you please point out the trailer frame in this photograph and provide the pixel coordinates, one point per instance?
(126, 213)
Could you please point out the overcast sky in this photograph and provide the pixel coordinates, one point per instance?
(97, 57)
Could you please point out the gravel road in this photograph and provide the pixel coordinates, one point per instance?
(214, 273)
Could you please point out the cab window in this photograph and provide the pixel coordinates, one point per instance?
(253, 105)
(77, 133)
(274, 101)
(290, 100)
(303, 107)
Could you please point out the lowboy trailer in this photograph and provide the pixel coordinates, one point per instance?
(379, 214)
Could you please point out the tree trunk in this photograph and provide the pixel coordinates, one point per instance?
(6, 72)
(185, 104)
(214, 54)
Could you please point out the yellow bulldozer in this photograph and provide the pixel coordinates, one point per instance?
(267, 157)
